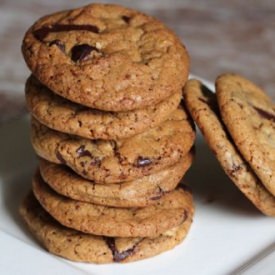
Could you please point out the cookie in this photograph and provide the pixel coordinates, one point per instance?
(203, 107)
(122, 160)
(150, 221)
(65, 116)
(81, 247)
(249, 115)
(137, 193)
(106, 57)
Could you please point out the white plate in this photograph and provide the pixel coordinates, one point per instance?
(228, 236)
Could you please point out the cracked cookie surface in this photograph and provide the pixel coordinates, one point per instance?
(170, 211)
(77, 246)
(137, 193)
(106, 57)
(117, 161)
(249, 115)
(203, 107)
(65, 116)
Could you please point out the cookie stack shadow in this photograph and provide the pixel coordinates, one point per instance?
(108, 187)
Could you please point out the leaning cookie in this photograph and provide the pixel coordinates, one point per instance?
(81, 247)
(249, 115)
(106, 57)
(203, 107)
(65, 116)
(111, 161)
(137, 193)
(170, 211)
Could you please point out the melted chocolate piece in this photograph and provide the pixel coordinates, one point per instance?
(118, 256)
(155, 198)
(203, 100)
(95, 161)
(265, 114)
(126, 18)
(81, 52)
(60, 158)
(40, 34)
(59, 44)
(143, 161)
(235, 168)
(161, 193)
(82, 152)
(185, 215)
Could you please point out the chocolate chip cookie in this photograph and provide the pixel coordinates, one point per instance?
(137, 193)
(106, 57)
(249, 115)
(150, 221)
(203, 107)
(122, 160)
(68, 117)
(77, 246)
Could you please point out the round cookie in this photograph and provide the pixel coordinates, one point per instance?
(203, 107)
(106, 57)
(249, 115)
(81, 247)
(150, 221)
(65, 116)
(137, 193)
(122, 160)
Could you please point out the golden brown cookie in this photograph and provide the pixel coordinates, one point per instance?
(249, 115)
(137, 193)
(106, 57)
(65, 116)
(122, 160)
(203, 107)
(77, 246)
(150, 221)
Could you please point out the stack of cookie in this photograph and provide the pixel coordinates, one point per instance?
(114, 142)
(238, 124)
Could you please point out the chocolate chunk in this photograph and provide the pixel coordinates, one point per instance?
(82, 152)
(161, 193)
(118, 155)
(143, 161)
(126, 18)
(265, 114)
(59, 157)
(185, 215)
(95, 161)
(41, 33)
(155, 198)
(235, 168)
(119, 256)
(59, 44)
(203, 100)
(81, 52)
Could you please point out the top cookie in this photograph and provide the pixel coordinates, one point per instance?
(106, 57)
(249, 116)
